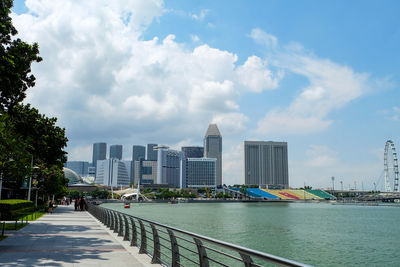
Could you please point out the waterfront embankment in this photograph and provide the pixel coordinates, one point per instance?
(68, 238)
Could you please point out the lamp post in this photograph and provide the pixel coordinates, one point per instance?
(1, 182)
(333, 183)
(30, 181)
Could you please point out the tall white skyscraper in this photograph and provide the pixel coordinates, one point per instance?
(213, 149)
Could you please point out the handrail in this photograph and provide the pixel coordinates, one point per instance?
(118, 222)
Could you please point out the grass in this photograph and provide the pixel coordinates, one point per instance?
(11, 226)
(31, 217)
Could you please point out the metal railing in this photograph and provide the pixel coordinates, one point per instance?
(174, 247)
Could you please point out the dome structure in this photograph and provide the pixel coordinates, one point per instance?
(72, 176)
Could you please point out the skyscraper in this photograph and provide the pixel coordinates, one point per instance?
(151, 153)
(99, 152)
(138, 152)
(116, 152)
(170, 166)
(193, 151)
(213, 149)
(200, 172)
(112, 172)
(266, 164)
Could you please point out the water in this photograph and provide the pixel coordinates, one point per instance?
(319, 234)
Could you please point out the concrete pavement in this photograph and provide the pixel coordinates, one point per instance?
(68, 238)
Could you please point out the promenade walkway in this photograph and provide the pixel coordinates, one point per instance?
(68, 238)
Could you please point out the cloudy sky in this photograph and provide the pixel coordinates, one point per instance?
(321, 75)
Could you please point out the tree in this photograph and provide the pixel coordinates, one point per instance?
(16, 58)
(27, 138)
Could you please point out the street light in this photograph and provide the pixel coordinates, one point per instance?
(333, 183)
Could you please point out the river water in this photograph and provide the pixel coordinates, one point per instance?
(319, 234)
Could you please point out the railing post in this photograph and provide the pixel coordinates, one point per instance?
(248, 262)
(108, 222)
(111, 220)
(115, 222)
(126, 236)
(203, 260)
(175, 259)
(134, 233)
(143, 241)
(156, 245)
(121, 229)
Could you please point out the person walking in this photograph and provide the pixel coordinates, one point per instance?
(76, 203)
(82, 203)
(50, 207)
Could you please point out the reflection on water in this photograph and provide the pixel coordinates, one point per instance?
(320, 234)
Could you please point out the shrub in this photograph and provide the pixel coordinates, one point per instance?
(12, 208)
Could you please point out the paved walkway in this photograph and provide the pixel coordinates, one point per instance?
(68, 238)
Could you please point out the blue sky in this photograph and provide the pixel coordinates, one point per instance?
(321, 75)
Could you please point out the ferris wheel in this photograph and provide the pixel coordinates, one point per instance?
(393, 166)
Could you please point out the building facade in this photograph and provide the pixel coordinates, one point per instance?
(99, 152)
(116, 152)
(138, 152)
(213, 149)
(171, 166)
(145, 172)
(151, 152)
(111, 172)
(193, 151)
(80, 167)
(266, 164)
(200, 172)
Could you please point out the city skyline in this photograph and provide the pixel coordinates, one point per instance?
(132, 74)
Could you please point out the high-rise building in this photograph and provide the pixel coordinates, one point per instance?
(116, 152)
(266, 164)
(200, 172)
(138, 152)
(193, 151)
(170, 166)
(213, 148)
(151, 153)
(99, 152)
(145, 171)
(129, 168)
(112, 172)
(80, 167)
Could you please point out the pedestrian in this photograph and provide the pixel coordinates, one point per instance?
(76, 203)
(50, 207)
(82, 203)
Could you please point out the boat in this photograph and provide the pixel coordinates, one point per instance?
(173, 201)
(127, 205)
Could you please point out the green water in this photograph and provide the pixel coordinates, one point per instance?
(319, 234)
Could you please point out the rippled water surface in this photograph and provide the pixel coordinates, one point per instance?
(319, 234)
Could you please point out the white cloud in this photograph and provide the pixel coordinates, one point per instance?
(255, 75)
(201, 15)
(105, 83)
(195, 38)
(266, 39)
(331, 86)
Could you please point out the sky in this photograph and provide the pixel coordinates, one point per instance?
(320, 75)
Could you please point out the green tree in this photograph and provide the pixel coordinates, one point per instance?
(16, 57)
(25, 134)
